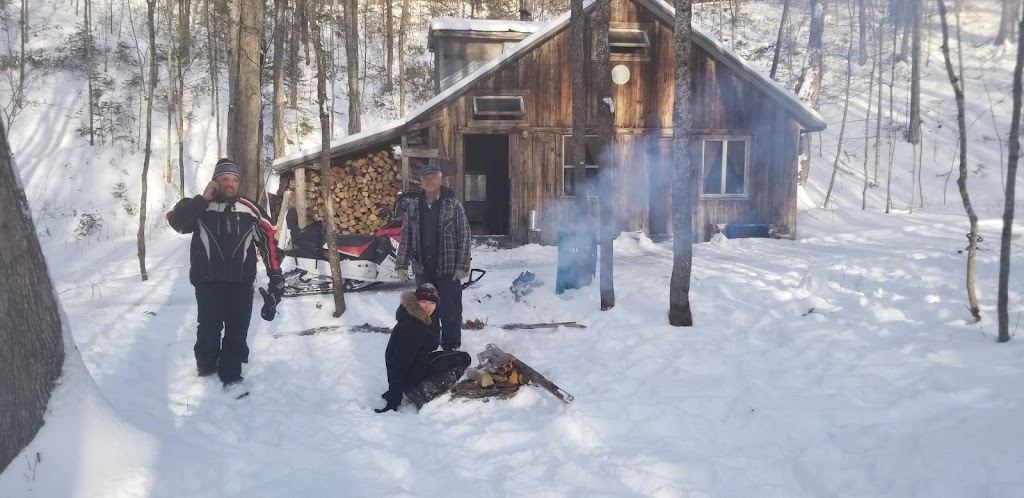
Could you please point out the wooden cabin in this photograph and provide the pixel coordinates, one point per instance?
(501, 130)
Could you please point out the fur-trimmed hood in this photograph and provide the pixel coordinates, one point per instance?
(411, 306)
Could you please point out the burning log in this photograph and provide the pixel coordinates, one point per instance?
(501, 375)
(493, 357)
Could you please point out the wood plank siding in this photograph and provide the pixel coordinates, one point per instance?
(723, 103)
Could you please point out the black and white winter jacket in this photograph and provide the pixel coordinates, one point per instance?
(414, 337)
(225, 238)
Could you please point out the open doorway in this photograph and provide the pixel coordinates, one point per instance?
(487, 183)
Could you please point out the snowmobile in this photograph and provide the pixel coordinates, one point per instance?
(366, 260)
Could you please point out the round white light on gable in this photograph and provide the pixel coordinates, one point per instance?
(620, 74)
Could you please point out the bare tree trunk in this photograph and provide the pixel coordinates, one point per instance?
(605, 159)
(169, 94)
(862, 26)
(213, 51)
(352, 61)
(914, 131)
(892, 123)
(1007, 21)
(1002, 302)
(878, 108)
(867, 137)
(846, 109)
(679, 313)
(32, 355)
(905, 25)
(809, 84)
(577, 62)
(403, 25)
(294, 39)
(89, 71)
(245, 110)
(389, 44)
(280, 16)
(778, 40)
(184, 29)
(326, 178)
(20, 96)
(972, 247)
(180, 62)
(148, 153)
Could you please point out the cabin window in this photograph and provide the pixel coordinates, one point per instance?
(499, 108)
(628, 41)
(569, 163)
(725, 165)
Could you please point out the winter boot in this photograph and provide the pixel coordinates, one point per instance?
(237, 389)
(206, 370)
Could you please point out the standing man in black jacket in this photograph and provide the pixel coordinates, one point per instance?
(227, 231)
(436, 239)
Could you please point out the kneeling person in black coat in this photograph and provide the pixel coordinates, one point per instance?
(415, 369)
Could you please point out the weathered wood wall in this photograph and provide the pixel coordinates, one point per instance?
(723, 102)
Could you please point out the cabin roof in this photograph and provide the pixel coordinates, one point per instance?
(808, 118)
(485, 25)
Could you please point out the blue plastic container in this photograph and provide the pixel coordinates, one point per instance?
(577, 260)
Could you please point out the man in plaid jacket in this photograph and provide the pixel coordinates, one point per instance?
(436, 240)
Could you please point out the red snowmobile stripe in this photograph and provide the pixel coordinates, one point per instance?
(268, 230)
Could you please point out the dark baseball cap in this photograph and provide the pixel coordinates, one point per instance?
(429, 168)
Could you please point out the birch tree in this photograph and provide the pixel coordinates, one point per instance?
(148, 153)
(957, 83)
(326, 178)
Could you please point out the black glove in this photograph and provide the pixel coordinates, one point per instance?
(269, 310)
(276, 287)
(388, 408)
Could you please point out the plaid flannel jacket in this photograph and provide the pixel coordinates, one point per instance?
(455, 237)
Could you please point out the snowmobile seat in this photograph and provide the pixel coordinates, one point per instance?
(358, 245)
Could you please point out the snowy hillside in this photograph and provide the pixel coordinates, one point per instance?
(843, 363)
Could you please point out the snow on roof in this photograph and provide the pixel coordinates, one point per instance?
(808, 117)
(489, 25)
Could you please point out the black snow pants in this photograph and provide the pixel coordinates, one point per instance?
(223, 306)
(443, 371)
(449, 310)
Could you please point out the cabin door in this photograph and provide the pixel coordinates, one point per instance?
(486, 192)
(659, 164)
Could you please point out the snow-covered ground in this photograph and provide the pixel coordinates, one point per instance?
(843, 363)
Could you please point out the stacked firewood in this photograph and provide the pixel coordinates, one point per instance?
(362, 186)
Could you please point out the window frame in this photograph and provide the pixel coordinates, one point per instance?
(725, 138)
(477, 121)
(567, 140)
(643, 55)
(519, 115)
